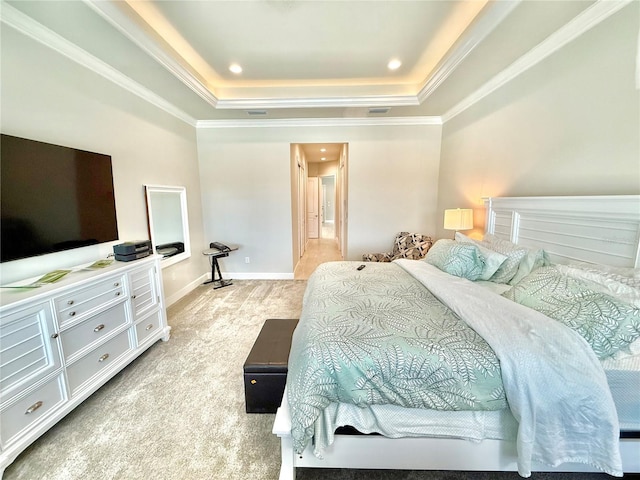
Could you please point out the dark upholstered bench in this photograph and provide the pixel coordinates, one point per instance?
(265, 370)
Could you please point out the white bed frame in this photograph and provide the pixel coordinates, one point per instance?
(597, 229)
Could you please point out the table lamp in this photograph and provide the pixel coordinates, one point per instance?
(458, 219)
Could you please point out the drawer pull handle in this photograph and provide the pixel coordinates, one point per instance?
(133, 297)
(118, 294)
(253, 382)
(70, 302)
(117, 284)
(103, 357)
(54, 335)
(33, 408)
(71, 314)
(98, 328)
(149, 327)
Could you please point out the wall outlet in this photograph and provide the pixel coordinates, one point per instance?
(247, 260)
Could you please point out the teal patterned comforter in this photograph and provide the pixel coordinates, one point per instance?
(378, 336)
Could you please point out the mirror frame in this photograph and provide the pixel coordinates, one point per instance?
(182, 192)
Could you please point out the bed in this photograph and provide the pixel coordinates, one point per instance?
(471, 424)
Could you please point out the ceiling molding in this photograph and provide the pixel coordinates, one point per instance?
(469, 40)
(340, 102)
(29, 27)
(589, 18)
(318, 122)
(128, 27)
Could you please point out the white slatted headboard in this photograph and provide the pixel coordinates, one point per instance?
(597, 229)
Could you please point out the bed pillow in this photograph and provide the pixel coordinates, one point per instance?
(513, 253)
(534, 258)
(621, 287)
(608, 324)
(492, 259)
(628, 272)
(456, 258)
(604, 274)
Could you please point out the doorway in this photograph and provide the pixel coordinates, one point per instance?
(327, 203)
(319, 203)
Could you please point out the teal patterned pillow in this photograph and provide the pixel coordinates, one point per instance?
(606, 323)
(456, 258)
(514, 254)
(492, 259)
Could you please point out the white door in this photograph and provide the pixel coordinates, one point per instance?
(313, 202)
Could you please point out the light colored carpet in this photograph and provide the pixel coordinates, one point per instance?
(177, 412)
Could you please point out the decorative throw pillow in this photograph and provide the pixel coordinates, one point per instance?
(411, 245)
(514, 255)
(492, 260)
(456, 258)
(606, 323)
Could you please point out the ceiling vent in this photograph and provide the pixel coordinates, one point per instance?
(257, 113)
(379, 110)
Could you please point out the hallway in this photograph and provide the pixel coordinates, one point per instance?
(319, 250)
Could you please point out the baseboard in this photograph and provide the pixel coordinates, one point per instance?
(257, 276)
(186, 290)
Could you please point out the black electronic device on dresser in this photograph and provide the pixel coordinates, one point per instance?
(127, 251)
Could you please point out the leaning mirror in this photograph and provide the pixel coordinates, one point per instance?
(168, 222)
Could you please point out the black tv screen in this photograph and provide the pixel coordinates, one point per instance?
(53, 198)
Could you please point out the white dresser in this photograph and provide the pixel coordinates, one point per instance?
(61, 342)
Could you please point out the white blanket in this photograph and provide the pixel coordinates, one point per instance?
(554, 383)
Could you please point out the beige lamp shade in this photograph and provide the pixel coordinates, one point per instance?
(458, 219)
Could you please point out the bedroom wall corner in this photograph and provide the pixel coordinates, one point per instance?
(569, 125)
(74, 106)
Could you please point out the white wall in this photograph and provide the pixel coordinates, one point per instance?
(46, 97)
(568, 126)
(246, 184)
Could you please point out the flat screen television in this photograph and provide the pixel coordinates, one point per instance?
(53, 198)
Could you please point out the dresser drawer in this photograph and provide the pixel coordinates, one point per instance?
(147, 327)
(97, 360)
(89, 332)
(30, 409)
(144, 294)
(29, 350)
(75, 304)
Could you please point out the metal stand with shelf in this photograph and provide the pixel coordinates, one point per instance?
(214, 254)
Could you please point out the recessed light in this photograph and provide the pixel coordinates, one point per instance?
(323, 149)
(323, 158)
(394, 64)
(235, 68)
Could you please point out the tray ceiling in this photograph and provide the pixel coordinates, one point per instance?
(300, 59)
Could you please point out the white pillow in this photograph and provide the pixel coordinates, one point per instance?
(533, 258)
(514, 254)
(492, 259)
(621, 283)
(623, 288)
(623, 274)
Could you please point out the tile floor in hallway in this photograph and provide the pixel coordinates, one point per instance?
(319, 250)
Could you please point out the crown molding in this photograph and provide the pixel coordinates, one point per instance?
(589, 18)
(113, 14)
(29, 27)
(318, 122)
(497, 12)
(583, 22)
(320, 102)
